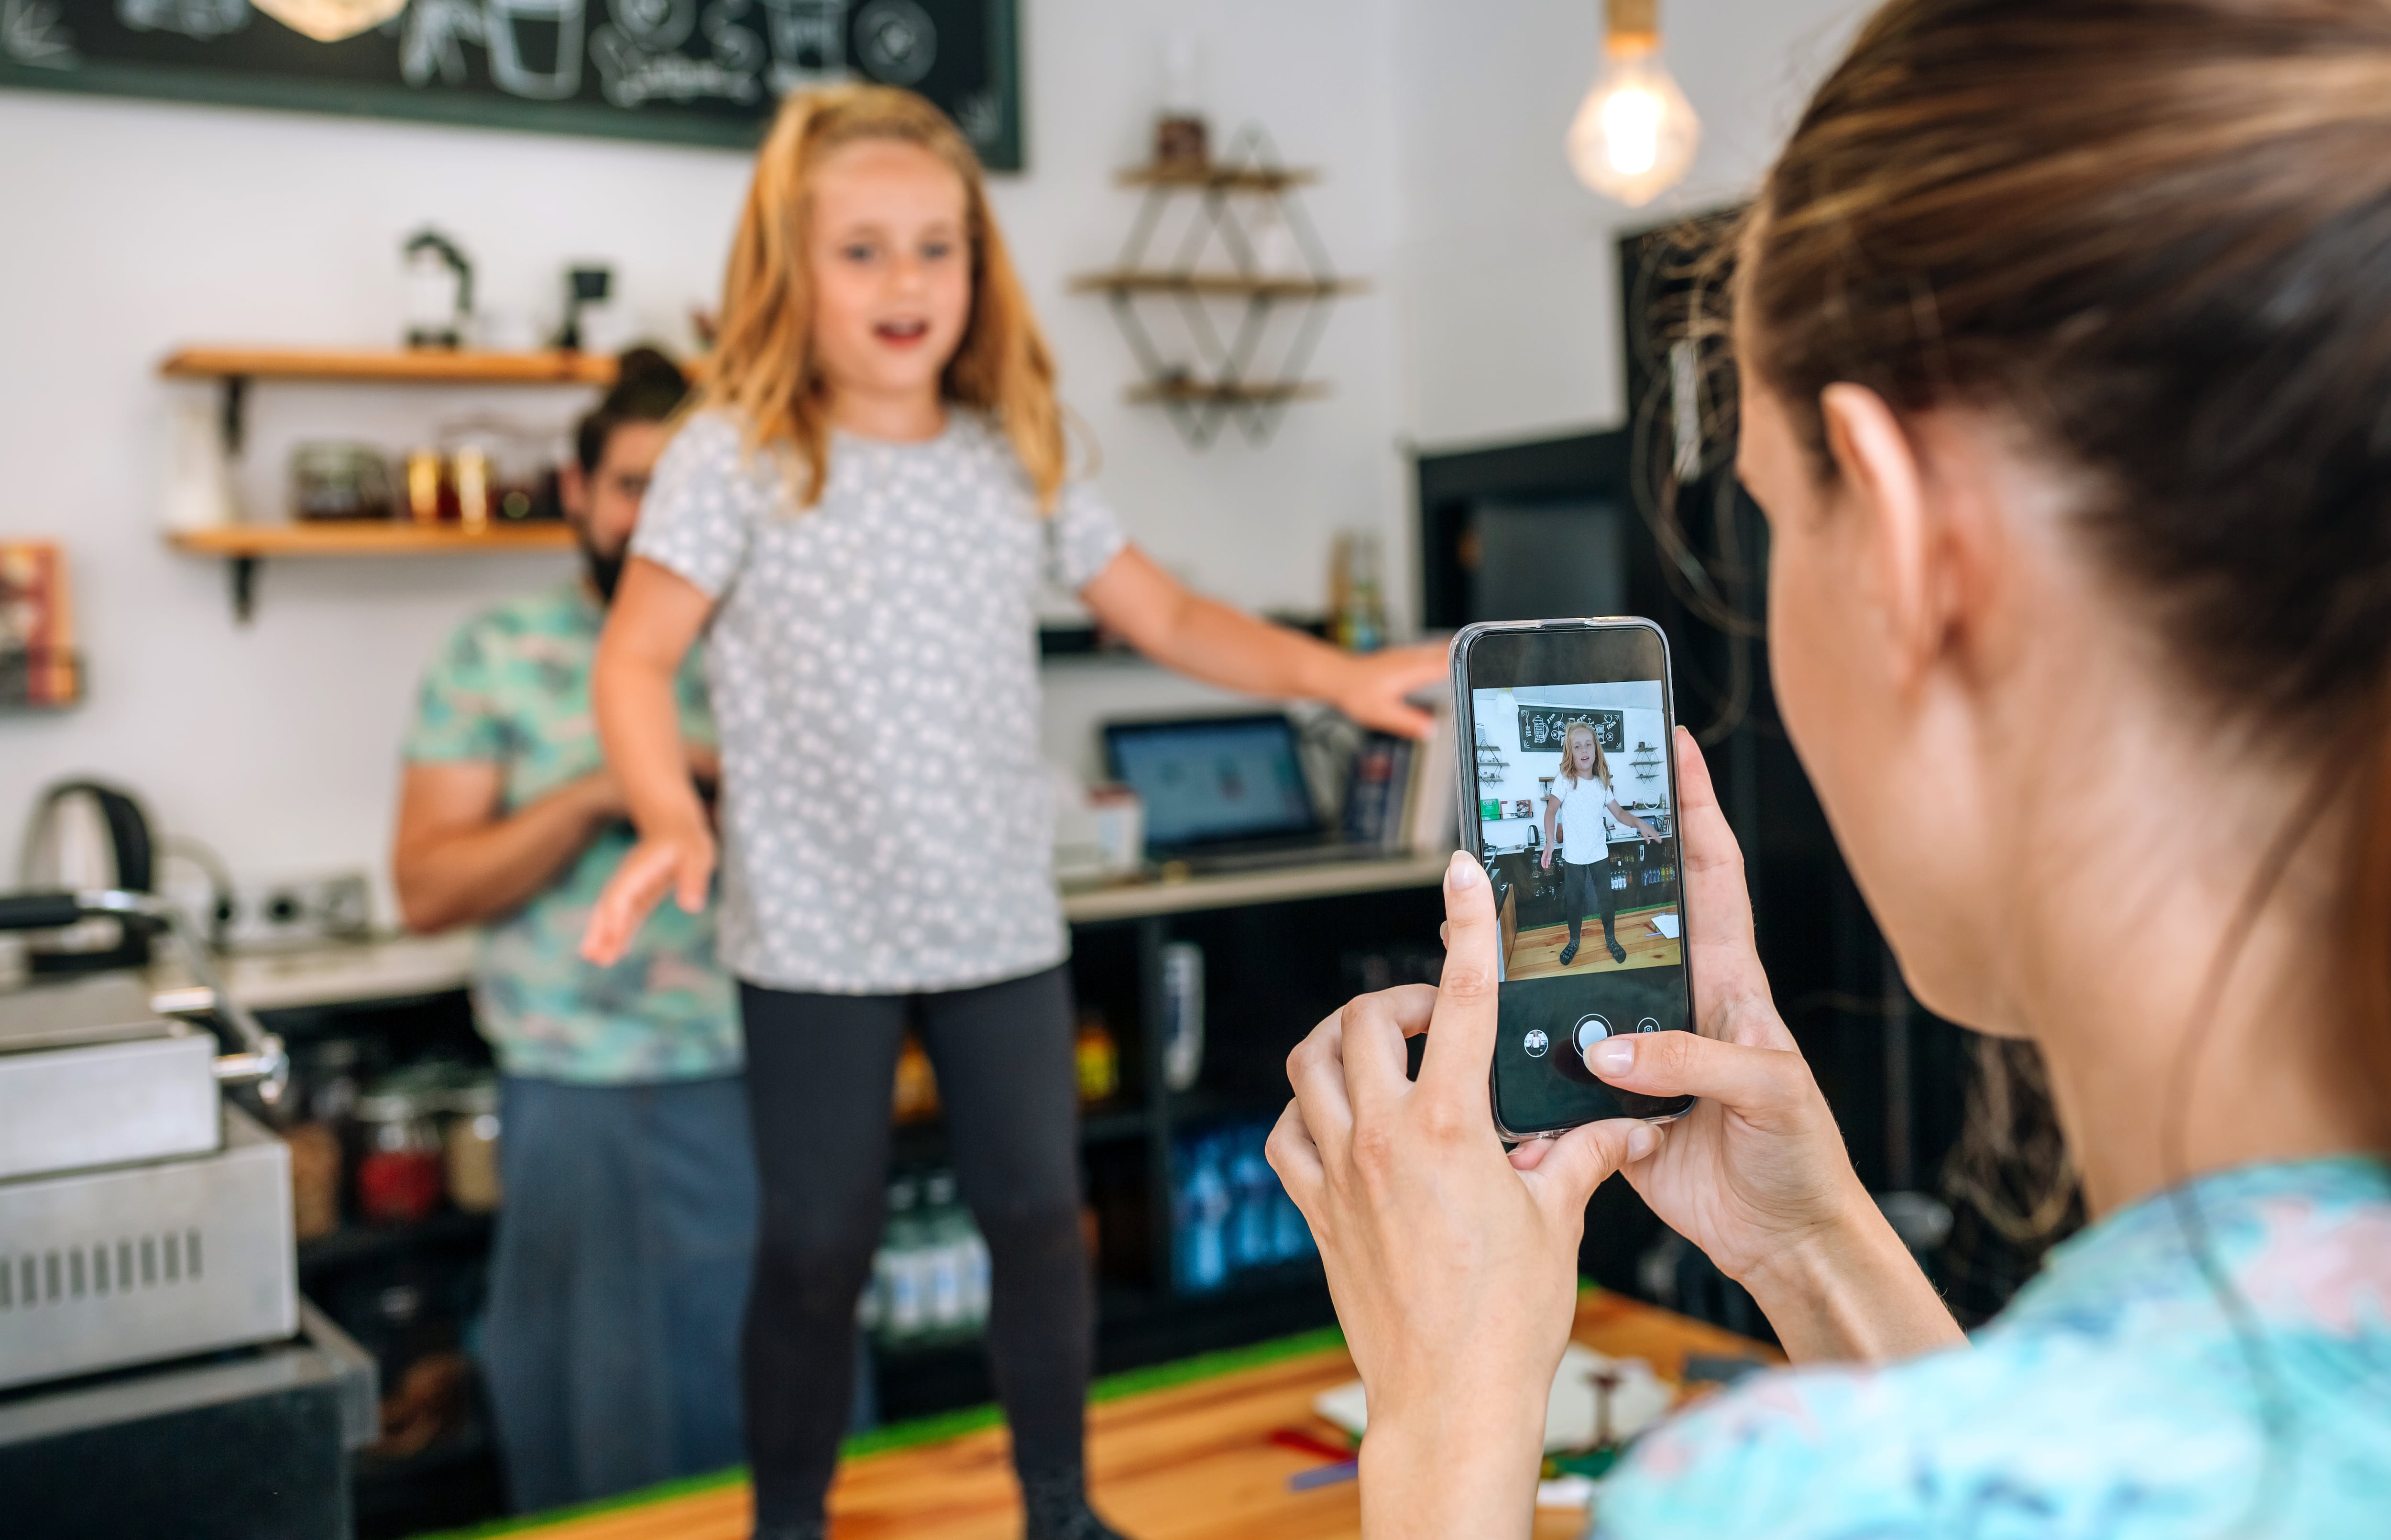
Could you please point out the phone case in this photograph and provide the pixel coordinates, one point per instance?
(1464, 749)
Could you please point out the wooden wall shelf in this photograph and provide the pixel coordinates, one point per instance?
(369, 538)
(1241, 204)
(391, 367)
(1219, 178)
(1239, 284)
(242, 546)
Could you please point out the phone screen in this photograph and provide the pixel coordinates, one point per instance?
(1566, 732)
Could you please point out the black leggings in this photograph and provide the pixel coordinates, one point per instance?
(820, 1071)
(1588, 887)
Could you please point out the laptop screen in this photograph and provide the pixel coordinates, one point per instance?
(1213, 779)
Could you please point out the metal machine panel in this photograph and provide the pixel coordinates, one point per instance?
(102, 1104)
(99, 1269)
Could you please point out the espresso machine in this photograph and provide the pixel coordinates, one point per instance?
(149, 1307)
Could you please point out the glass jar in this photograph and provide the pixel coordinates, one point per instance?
(399, 1175)
(471, 1143)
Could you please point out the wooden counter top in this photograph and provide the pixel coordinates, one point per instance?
(1187, 1461)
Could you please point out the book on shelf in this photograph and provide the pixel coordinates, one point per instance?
(1400, 792)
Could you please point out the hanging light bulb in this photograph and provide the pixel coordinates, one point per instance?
(1635, 135)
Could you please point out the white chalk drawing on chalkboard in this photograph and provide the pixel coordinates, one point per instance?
(503, 20)
(898, 40)
(981, 117)
(630, 75)
(654, 24)
(29, 33)
(433, 44)
(197, 18)
(809, 42)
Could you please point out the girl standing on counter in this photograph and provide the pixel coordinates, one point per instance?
(859, 514)
(1581, 802)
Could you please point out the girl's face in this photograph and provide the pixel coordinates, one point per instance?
(1582, 747)
(890, 253)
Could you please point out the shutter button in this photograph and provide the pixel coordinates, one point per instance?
(1591, 1030)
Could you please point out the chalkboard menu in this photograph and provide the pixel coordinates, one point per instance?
(705, 72)
(1546, 727)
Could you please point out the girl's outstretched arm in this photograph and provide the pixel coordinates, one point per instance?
(655, 617)
(1207, 640)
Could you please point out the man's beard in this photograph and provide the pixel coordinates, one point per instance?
(606, 570)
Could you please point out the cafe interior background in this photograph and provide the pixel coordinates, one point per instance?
(1479, 366)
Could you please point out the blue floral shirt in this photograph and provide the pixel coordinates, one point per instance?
(2113, 1400)
(511, 689)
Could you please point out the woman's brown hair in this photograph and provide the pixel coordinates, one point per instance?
(764, 370)
(2157, 233)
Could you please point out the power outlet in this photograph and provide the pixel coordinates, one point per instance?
(335, 907)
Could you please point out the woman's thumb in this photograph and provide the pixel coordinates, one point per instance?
(1583, 1159)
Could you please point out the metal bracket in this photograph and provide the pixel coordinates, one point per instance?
(244, 587)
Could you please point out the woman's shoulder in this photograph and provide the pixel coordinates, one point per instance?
(2115, 1398)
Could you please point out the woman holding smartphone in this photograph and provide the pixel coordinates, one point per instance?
(2064, 348)
(1581, 803)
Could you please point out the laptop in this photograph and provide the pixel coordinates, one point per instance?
(1225, 793)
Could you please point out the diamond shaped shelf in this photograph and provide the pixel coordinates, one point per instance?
(1223, 291)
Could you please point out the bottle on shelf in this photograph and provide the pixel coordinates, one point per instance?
(1201, 1262)
(1099, 1060)
(899, 1268)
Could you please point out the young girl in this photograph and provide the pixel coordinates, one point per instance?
(1581, 802)
(859, 514)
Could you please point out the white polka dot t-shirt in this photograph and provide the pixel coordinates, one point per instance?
(886, 824)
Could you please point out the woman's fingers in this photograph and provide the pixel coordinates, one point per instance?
(1292, 1154)
(1316, 1071)
(1376, 1065)
(1748, 1079)
(1565, 1175)
(1461, 1037)
(1718, 908)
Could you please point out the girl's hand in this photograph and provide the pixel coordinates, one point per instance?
(678, 862)
(1454, 1268)
(1370, 687)
(1548, 858)
(1756, 1174)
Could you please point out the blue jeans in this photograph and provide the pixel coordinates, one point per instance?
(617, 1283)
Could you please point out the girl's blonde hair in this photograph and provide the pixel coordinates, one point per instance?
(1568, 755)
(764, 369)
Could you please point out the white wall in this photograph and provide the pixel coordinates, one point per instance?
(136, 226)
(1509, 301)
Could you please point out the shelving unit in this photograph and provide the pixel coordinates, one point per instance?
(242, 547)
(1246, 192)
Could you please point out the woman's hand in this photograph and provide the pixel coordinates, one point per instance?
(679, 860)
(1756, 1174)
(1371, 686)
(1454, 1268)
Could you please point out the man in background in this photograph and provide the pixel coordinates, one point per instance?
(620, 1266)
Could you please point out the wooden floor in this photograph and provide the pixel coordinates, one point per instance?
(1537, 952)
(1192, 1462)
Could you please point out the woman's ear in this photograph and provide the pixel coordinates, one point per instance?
(1883, 488)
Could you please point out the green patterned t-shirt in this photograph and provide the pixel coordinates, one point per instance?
(513, 689)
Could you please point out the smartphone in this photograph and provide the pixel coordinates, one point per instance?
(1565, 730)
